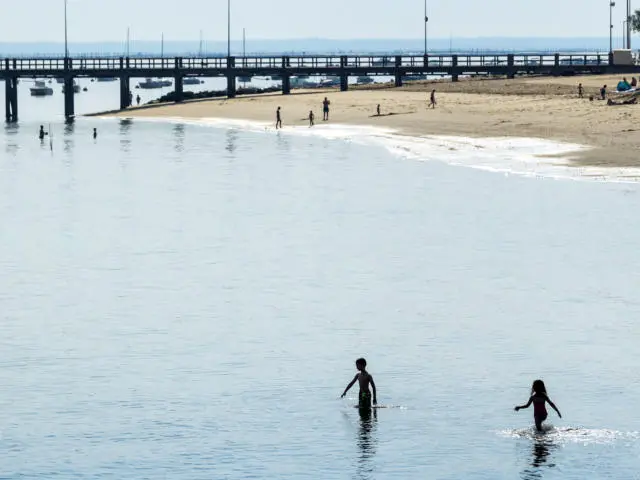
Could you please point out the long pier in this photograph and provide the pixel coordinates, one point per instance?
(342, 66)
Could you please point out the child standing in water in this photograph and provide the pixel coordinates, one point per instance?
(539, 398)
(364, 379)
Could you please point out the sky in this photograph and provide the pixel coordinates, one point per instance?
(108, 20)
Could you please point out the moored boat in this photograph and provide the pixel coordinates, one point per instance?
(40, 89)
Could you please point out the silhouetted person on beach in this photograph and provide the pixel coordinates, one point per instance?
(311, 117)
(130, 98)
(364, 379)
(325, 109)
(603, 93)
(580, 91)
(432, 102)
(278, 119)
(41, 133)
(95, 133)
(138, 100)
(378, 110)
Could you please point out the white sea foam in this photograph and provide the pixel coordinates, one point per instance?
(563, 435)
(507, 155)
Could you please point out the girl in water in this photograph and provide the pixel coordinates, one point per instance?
(539, 398)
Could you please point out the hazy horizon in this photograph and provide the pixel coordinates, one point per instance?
(317, 45)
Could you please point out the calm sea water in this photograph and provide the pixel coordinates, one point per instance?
(186, 302)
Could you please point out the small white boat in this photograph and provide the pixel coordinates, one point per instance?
(330, 82)
(107, 79)
(40, 89)
(149, 83)
(191, 81)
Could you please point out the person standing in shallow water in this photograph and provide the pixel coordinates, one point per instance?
(364, 379)
(539, 398)
(95, 133)
(41, 133)
(278, 119)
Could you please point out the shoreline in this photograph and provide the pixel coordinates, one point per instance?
(507, 155)
(537, 108)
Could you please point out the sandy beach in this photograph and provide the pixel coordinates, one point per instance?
(547, 108)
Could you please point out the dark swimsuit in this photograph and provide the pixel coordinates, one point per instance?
(364, 399)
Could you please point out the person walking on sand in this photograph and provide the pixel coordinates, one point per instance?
(311, 117)
(365, 379)
(580, 91)
(603, 93)
(325, 109)
(432, 102)
(539, 398)
(138, 100)
(378, 110)
(278, 119)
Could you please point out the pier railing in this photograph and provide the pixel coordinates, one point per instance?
(193, 64)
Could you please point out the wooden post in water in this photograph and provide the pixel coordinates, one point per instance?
(69, 92)
(11, 99)
(124, 92)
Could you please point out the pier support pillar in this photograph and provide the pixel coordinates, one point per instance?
(344, 82)
(179, 89)
(344, 76)
(286, 84)
(398, 72)
(125, 92)
(178, 81)
(231, 77)
(69, 100)
(454, 65)
(11, 99)
(231, 85)
(510, 63)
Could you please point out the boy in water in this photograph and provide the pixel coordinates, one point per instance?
(364, 379)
